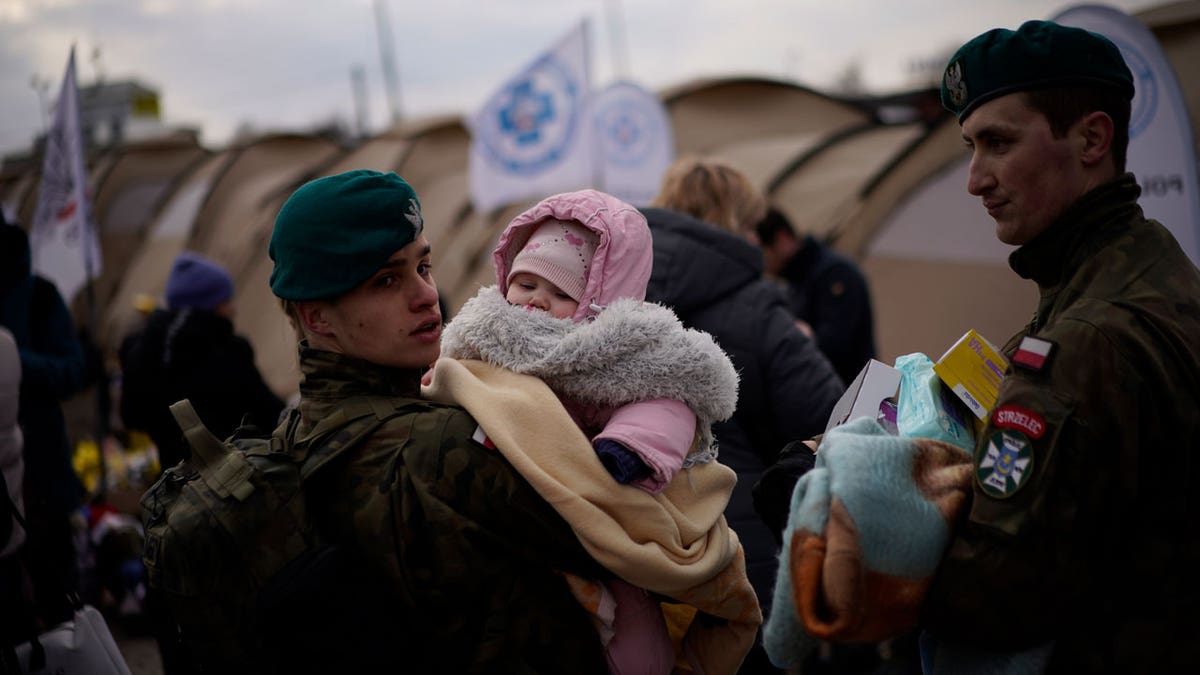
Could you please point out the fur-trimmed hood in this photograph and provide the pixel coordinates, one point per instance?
(620, 267)
(632, 351)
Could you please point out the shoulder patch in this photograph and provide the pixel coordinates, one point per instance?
(1004, 463)
(1033, 353)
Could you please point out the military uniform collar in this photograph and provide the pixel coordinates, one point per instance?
(328, 375)
(1086, 225)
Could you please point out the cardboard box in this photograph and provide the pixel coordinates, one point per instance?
(973, 369)
(875, 383)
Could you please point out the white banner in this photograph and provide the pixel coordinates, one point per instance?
(636, 140)
(63, 239)
(1161, 151)
(533, 137)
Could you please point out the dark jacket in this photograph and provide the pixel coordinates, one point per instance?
(827, 291)
(467, 551)
(1090, 540)
(713, 281)
(192, 354)
(52, 368)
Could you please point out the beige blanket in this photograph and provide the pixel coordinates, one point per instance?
(675, 543)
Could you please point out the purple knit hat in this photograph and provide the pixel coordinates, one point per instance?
(198, 282)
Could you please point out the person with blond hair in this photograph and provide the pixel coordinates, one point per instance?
(714, 192)
(709, 270)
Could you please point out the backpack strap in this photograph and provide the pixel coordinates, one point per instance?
(225, 472)
(207, 449)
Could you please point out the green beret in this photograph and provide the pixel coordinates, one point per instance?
(1038, 54)
(333, 233)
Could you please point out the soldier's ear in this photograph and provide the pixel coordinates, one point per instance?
(1095, 134)
(314, 318)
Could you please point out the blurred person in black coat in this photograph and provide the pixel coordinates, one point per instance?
(52, 368)
(708, 269)
(826, 291)
(189, 350)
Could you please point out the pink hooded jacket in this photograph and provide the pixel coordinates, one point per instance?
(660, 431)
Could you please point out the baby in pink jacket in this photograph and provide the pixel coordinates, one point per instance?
(569, 309)
(643, 442)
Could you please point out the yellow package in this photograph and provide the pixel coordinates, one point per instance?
(973, 369)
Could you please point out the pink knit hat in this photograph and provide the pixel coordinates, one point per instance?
(560, 252)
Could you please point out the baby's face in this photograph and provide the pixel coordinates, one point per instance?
(534, 292)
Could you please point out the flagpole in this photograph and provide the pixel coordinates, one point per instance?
(62, 230)
(387, 59)
(589, 116)
(85, 218)
(616, 33)
(102, 400)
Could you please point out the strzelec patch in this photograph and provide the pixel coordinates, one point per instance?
(1004, 464)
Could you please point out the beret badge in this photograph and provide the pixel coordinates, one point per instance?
(955, 84)
(414, 215)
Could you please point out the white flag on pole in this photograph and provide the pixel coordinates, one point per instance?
(63, 239)
(534, 136)
(1161, 151)
(635, 137)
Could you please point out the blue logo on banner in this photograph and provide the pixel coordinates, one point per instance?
(528, 127)
(628, 130)
(1145, 89)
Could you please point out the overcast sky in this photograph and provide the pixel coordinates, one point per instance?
(286, 64)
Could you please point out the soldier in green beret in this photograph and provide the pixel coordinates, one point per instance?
(466, 552)
(1080, 550)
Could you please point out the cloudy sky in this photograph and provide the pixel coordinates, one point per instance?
(285, 64)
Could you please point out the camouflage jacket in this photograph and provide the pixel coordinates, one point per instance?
(1083, 526)
(466, 547)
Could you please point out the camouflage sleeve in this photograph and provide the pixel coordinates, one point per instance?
(468, 548)
(1049, 486)
(459, 487)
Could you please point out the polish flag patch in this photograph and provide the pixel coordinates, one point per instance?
(1033, 353)
(482, 438)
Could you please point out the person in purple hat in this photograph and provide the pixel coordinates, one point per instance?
(189, 350)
